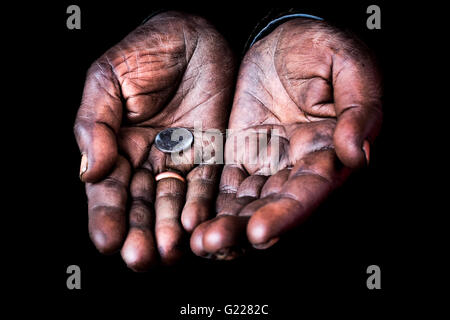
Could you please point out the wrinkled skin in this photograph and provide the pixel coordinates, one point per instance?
(170, 72)
(320, 89)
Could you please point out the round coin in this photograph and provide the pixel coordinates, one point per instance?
(173, 140)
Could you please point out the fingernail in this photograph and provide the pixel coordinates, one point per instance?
(84, 165)
(366, 149)
(267, 244)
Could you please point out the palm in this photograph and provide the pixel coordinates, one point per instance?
(290, 84)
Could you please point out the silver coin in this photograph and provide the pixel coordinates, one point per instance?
(174, 140)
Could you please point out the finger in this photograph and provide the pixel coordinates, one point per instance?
(196, 241)
(139, 250)
(357, 96)
(106, 204)
(248, 191)
(170, 197)
(275, 183)
(251, 186)
(224, 237)
(231, 179)
(97, 122)
(220, 238)
(309, 183)
(202, 184)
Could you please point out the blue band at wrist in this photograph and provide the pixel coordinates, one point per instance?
(280, 19)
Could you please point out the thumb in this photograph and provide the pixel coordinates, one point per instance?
(97, 122)
(357, 96)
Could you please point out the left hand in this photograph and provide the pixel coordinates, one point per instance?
(319, 88)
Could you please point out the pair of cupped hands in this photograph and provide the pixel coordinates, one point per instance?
(315, 85)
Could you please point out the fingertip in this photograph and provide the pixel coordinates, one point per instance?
(350, 153)
(225, 236)
(196, 241)
(354, 127)
(258, 232)
(138, 251)
(215, 238)
(169, 240)
(94, 170)
(193, 214)
(107, 230)
(270, 221)
(105, 243)
(100, 155)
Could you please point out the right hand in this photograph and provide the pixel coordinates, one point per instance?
(171, 71)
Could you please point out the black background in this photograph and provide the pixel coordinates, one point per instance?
(322, 265)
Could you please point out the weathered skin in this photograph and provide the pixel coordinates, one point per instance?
(171, 72)
(321, 90)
